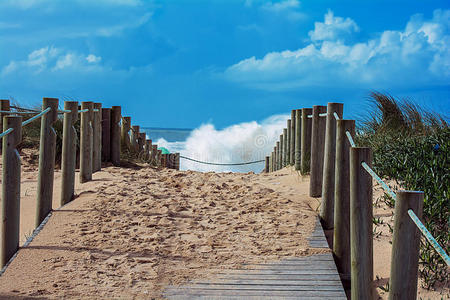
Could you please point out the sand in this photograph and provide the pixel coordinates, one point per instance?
(132, 231)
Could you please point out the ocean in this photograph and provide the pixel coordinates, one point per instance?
(238, 143)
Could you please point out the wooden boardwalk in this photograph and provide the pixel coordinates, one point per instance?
(310, 277)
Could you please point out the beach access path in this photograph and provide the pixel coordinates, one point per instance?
(139, 233)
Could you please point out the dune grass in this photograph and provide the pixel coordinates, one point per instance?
(412, 145)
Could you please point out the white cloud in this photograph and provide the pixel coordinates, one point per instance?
(420, 54)
(333, 28)
(91, 58)
(286, 8)
(52, 59)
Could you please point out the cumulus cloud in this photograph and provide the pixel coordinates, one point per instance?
(333, 28)
(51, 59)
(417, 55)
(242, 142)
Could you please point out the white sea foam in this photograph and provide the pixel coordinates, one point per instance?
(242, 142)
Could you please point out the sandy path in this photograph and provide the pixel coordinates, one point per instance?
(133, 231)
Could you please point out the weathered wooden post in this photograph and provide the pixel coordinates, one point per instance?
(305, 148)
(317, 148)
(141, 141)
(125, 134)
(4, 105)
(341, 237)
(298, 139)
(134, 138)
(147, 147)
(115, 135)
(293, 136)
(405, 246)
(282, 151)
(97, 138)
(177, 161)
(154, 155)
(69, 151)
(266, 167)
(274, 159)
(327, 206)
(284, 147)
(47, 150)
(86, 141)
(106, 134)
(10, 225)
(279, 153)
(270, 162)
(288, 142)
(361, 240)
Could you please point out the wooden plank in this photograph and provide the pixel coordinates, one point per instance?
(277, 271)
(260, 287)
(213, 297)
(308, 277)
(246, 293)
(255, 282)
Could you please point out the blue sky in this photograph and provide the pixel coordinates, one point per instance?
(184, 63)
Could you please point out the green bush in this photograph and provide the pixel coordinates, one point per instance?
(412, 146)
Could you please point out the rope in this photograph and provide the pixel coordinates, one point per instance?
(36, 116)
(64, 111)
(350, 139)
(323, 114)
(336, 116)
(223, 164)
(6, 132)
(25, 109)
(379, 180)
(429, 237)
(83, 110)
(17, 112)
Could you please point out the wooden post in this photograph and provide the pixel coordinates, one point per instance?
(177, 161)
(10, 225)
(69, 151)
(4, 105)
(147, 146)
(282, 155)
(361, 240)
(86, 141)
(159, 158)
(125, 134)
(317, 151)
(288, 142)
(293, 136)
(141, 141)
(327, 206)
(106, 134)
(266, 168)
(154, 155)
(47, 150)
(305, 148)
(134, 138)
(341, 237)
(97, 138)
(115, 135)
(298, 139)
(274, 159)
(279, 153)
(270, 161)
(405, 246)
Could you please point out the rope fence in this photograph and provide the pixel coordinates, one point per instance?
(99, 139)
(342, 174)
(223, 164)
